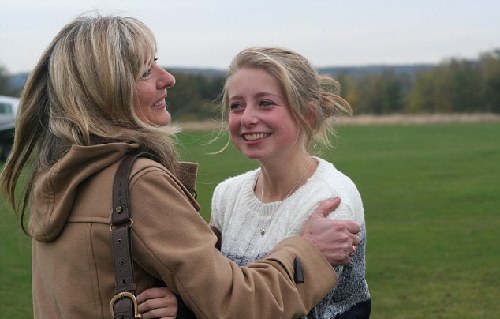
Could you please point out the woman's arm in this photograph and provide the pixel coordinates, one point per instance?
(159, 301)
(171, 240)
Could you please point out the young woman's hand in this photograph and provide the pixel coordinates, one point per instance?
(336, 239)
(157, 302)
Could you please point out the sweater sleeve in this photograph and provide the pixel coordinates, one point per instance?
(215, 213)
(172, 241)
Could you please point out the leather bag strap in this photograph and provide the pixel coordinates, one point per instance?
(123, 305)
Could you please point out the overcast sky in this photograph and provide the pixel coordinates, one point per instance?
(207, 33)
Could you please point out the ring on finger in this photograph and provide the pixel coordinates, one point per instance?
(353, 251)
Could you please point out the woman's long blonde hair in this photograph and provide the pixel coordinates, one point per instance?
(82, 92)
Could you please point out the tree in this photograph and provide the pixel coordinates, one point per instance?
(381, 93)
(194, 96)
(452, 86)
(464, 86)
(489, 64)
(349, 91)
(421, 95)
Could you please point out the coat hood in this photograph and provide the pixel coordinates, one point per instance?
(55, 190)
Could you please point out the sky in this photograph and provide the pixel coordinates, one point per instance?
(208, 33)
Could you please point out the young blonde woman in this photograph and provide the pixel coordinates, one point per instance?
(277, 107)
(95, 95)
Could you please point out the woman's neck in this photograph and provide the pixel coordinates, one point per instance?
(279, 179)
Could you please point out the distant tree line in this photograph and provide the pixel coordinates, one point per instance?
(452, 86)
(458, 86)
(195, 96)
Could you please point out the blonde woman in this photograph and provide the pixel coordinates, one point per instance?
(278, 106)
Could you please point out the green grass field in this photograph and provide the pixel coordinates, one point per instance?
(432, 205)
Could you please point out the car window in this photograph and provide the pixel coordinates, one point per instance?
(6, 108)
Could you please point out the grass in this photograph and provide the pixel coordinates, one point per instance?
(432, 205)
(15, 267)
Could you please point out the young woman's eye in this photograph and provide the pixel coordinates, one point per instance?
(233, 107)
(266, 103)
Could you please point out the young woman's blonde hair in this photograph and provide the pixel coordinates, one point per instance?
(313, 99)
(82, 92)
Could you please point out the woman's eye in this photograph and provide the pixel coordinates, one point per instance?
(235, 107)
(146, 73)
(266, 103)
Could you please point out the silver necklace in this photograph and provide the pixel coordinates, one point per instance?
(263, 229)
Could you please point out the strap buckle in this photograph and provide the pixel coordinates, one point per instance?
(121, 295)
(129, 225)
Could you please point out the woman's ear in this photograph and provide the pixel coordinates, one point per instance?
(311, 113)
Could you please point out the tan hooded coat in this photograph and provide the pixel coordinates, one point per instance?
(73, 274)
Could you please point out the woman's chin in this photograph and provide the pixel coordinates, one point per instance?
(163, 120)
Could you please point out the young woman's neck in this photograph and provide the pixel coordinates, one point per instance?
(281, 178)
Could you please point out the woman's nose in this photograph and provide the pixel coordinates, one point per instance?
(166, 80)
(249, 116)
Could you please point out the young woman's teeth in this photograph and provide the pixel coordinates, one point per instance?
(255, 136)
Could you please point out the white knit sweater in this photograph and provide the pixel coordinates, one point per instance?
(240, 215)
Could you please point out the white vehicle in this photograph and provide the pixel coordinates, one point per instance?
(8, 112)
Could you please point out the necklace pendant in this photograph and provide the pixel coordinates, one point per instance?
(262, 231)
